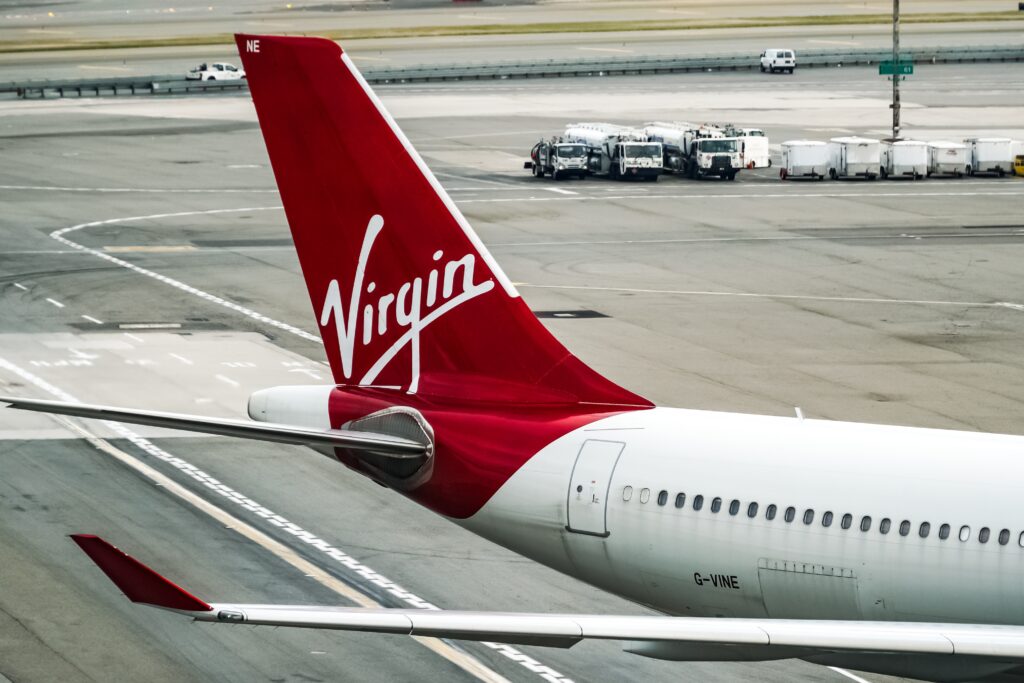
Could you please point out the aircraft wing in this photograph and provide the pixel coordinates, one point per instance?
(143, 585)
(391, 446)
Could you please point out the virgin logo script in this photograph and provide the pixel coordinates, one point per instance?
(372, 315)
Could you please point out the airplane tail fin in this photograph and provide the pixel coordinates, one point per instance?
(406, 294)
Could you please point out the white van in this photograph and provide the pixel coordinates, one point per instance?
(778, 60)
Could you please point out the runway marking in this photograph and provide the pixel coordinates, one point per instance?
(149, 249)
(776, 238)
(227, 380)
(181, 358)
(144, 190)
(507, 651)
(735, 195)
(177, 284)
(849, 675)
(461, 659)
(606, 49)
(785, 297)
(92, 319)
(21, 286)
(55, 302)
(558, 190)
(134, 337)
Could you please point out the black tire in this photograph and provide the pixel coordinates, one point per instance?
(790, 72)
(556, 175)
(731, 176)
(771, 69)
(762, 68)
(540, 171)
(885, 174)
(832, 174)
(1001, 172)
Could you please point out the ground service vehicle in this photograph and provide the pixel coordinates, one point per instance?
(754, 146)
(773, 60)
(697, 151)
(618, 152)
(947, 158)
(854, 157)
(558, 159)
(989, 155)
(904, 158)
(218, 71)
(1018, 165)
(805, 159)
(881, 548)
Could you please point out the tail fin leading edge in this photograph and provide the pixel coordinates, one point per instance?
(406, 294)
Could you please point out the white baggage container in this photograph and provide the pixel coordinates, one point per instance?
(990, 155)
(804, 159)
(855, 157)
(947, 158)
(755, 147)
(904, 158)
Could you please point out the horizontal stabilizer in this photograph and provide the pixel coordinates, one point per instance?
(809, 636)
(392, 446)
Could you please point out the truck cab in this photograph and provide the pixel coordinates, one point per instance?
(637, 160)
(558, 159)
(714, 157)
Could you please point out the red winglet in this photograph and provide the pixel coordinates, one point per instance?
(136, 580)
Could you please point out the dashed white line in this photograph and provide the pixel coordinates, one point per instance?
(21, 286)
(227, 380)
(134, 337)
(92, 319)
(558, 190)
(55, 302)
(181, 358)
(852, 677)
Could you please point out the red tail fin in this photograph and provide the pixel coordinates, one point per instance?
(406, 294)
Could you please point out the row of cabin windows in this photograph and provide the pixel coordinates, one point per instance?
(827, 518)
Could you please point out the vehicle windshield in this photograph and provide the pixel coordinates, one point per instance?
(642, 150)
(571, 151)
(754, 133)
(717, 145)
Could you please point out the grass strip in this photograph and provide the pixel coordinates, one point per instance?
(14, 46)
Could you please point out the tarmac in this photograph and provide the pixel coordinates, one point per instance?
(145, 262)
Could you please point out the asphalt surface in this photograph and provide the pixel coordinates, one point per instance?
(894, 302)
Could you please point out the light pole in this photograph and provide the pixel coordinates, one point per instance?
(895, 69)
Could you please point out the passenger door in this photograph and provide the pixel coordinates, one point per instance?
(587, 500)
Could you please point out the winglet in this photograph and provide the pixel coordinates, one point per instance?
(136, 580)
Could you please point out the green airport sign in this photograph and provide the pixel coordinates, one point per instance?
(901, 68)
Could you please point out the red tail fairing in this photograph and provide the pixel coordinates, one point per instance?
(412, 307)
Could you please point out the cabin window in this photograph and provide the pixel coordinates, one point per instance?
(884, 525)
(847, 521)
(627, 493)
(826, 519)
(662, 497)
(752, 510)
(965, 532)
(1004, 537)
(944, 532)
(698, 502)
(983, 534)
(770, 511)
(924, 529)
(808, 516)
(680, 500)
(734, 507)
(865, 523)
(904, 527)
(716, 504)
(645, 495)
(790, 514)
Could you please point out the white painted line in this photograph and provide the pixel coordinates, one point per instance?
(786, 297)
(149, 326)
(21, 286)
(134, 337)
(461, 659)
(177, 284)
(852, 677)
(55, 302)
(92, 319)
(227, 380)
(139, 190)
(181, 358)
(734, 195)
(558, 190)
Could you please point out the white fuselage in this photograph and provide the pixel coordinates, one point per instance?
(590, 505)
